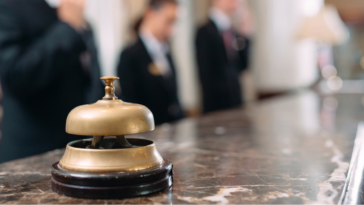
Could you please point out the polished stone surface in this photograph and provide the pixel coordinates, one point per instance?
(294, 149)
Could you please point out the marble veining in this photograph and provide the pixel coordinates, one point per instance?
(287, 150)
(328, 193)
(219, 197)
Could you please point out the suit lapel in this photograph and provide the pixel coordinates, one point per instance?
(164, 83)
(218, 37)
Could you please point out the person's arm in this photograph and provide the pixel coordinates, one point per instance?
(27, 68)
(244, 55)
(129, 81)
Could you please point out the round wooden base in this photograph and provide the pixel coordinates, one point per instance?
(111, 185)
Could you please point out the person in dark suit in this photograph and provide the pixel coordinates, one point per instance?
(43, 74)
(146, 69)
(221, 55)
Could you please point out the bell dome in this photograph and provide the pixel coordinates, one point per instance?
(109, 116)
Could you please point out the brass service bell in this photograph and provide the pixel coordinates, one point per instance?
(110, 165)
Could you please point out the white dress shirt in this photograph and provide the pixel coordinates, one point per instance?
(53, 3)
(222, 21)
(158, 52)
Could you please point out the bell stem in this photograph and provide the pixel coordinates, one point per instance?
(123, 141)
(96, 142)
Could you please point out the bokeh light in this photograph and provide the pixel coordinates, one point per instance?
(335, 83)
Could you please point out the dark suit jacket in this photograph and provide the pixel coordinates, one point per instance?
(140, 86)
(219, 76)
(41, 77)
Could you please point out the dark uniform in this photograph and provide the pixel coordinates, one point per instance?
(221, 57)
(41, 76)
(142, 83)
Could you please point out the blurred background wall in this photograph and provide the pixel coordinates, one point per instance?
(280, 61)
(348, 57)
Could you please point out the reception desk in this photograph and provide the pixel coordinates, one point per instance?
(294, 149)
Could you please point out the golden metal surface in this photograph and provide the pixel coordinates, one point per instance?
(111, 160)
(109, 117)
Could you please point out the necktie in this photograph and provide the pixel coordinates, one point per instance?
(229, 38)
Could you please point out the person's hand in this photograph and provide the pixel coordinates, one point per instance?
(71, 12)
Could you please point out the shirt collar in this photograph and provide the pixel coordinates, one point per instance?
(221, 20)
(153, 45)
(53, 3)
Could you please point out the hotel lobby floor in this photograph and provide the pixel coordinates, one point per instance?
(294, 149)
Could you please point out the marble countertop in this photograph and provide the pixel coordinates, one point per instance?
(293, 149)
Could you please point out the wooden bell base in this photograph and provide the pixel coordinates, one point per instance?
(111, 185)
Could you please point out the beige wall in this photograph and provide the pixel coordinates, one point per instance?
(200, 10)
(107, 20)
(134, 9)
(281, 62)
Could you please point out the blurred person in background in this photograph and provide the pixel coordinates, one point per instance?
(222, 54)
(146, 69)
(45, 72)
